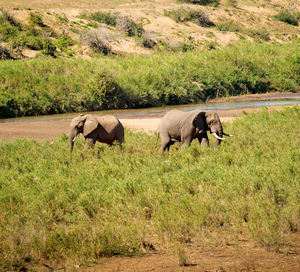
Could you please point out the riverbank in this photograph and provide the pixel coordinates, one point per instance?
(55, 86)
(51, 129)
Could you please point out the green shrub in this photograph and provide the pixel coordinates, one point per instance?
(93, 25)
(183, 15)
(258, 34)
(213, 3)
(4, 53)
(8, 31)
(126, 25)
(48, 47)
(285, 16)
(62, 19)
(230, 26)
(64, 41)
(9, 27)
(34, 42)
(104, 18)
(35, 19)
(98, 41)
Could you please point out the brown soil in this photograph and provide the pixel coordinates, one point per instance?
(238, 255)
(242, 255)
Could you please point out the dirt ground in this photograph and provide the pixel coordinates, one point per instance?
(241, 254)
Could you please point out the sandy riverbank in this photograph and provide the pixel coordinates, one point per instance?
(47, 130)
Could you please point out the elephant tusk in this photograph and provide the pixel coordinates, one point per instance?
(229, 135)
(74, 139)
(219, 138)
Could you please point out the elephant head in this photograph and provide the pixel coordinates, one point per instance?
(84, 124)
(210, 121)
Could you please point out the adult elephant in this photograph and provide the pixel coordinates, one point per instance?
(104, 129)
(181, 126)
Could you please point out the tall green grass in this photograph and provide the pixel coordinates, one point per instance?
(46, 85)
(116, 202)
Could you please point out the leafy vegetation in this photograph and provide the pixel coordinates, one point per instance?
(4, 53)
(35, 36)
(229, 25)
(183, 15)
(104, 18)
(213, 3)
(126, 25)
(287, 17)
(71, 211)
(46, 85)
(35, 19)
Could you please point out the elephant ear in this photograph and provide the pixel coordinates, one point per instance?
(199, 120)
(91, 123)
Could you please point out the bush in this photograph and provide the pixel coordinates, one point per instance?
(182, 15)
(148, 42)
(35, 19)
(34, 43)
(64, 41)
(287, 17)
(62, 19)
(258, 34)
(98, 40)
(230, 26)
(104, 18)
(124, 24)
(8, 31)
(4, 53)
(48, 47)
(213, 3)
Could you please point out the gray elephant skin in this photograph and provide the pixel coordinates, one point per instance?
(184, 127)
(105, 129)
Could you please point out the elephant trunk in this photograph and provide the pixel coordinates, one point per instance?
(72, 137)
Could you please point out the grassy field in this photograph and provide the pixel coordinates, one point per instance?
(74, 210)
(47, 85)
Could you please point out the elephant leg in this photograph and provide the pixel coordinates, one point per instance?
(186, 141)
(203, 141)
(165, 143)
(89, 142)
(120, 142)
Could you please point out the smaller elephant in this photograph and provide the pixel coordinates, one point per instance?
(104, 129)
(184, 127)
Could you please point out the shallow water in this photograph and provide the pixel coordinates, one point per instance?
(159, 111)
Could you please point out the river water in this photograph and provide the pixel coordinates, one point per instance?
(272, 100)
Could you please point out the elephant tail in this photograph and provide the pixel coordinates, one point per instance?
(157, 139)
